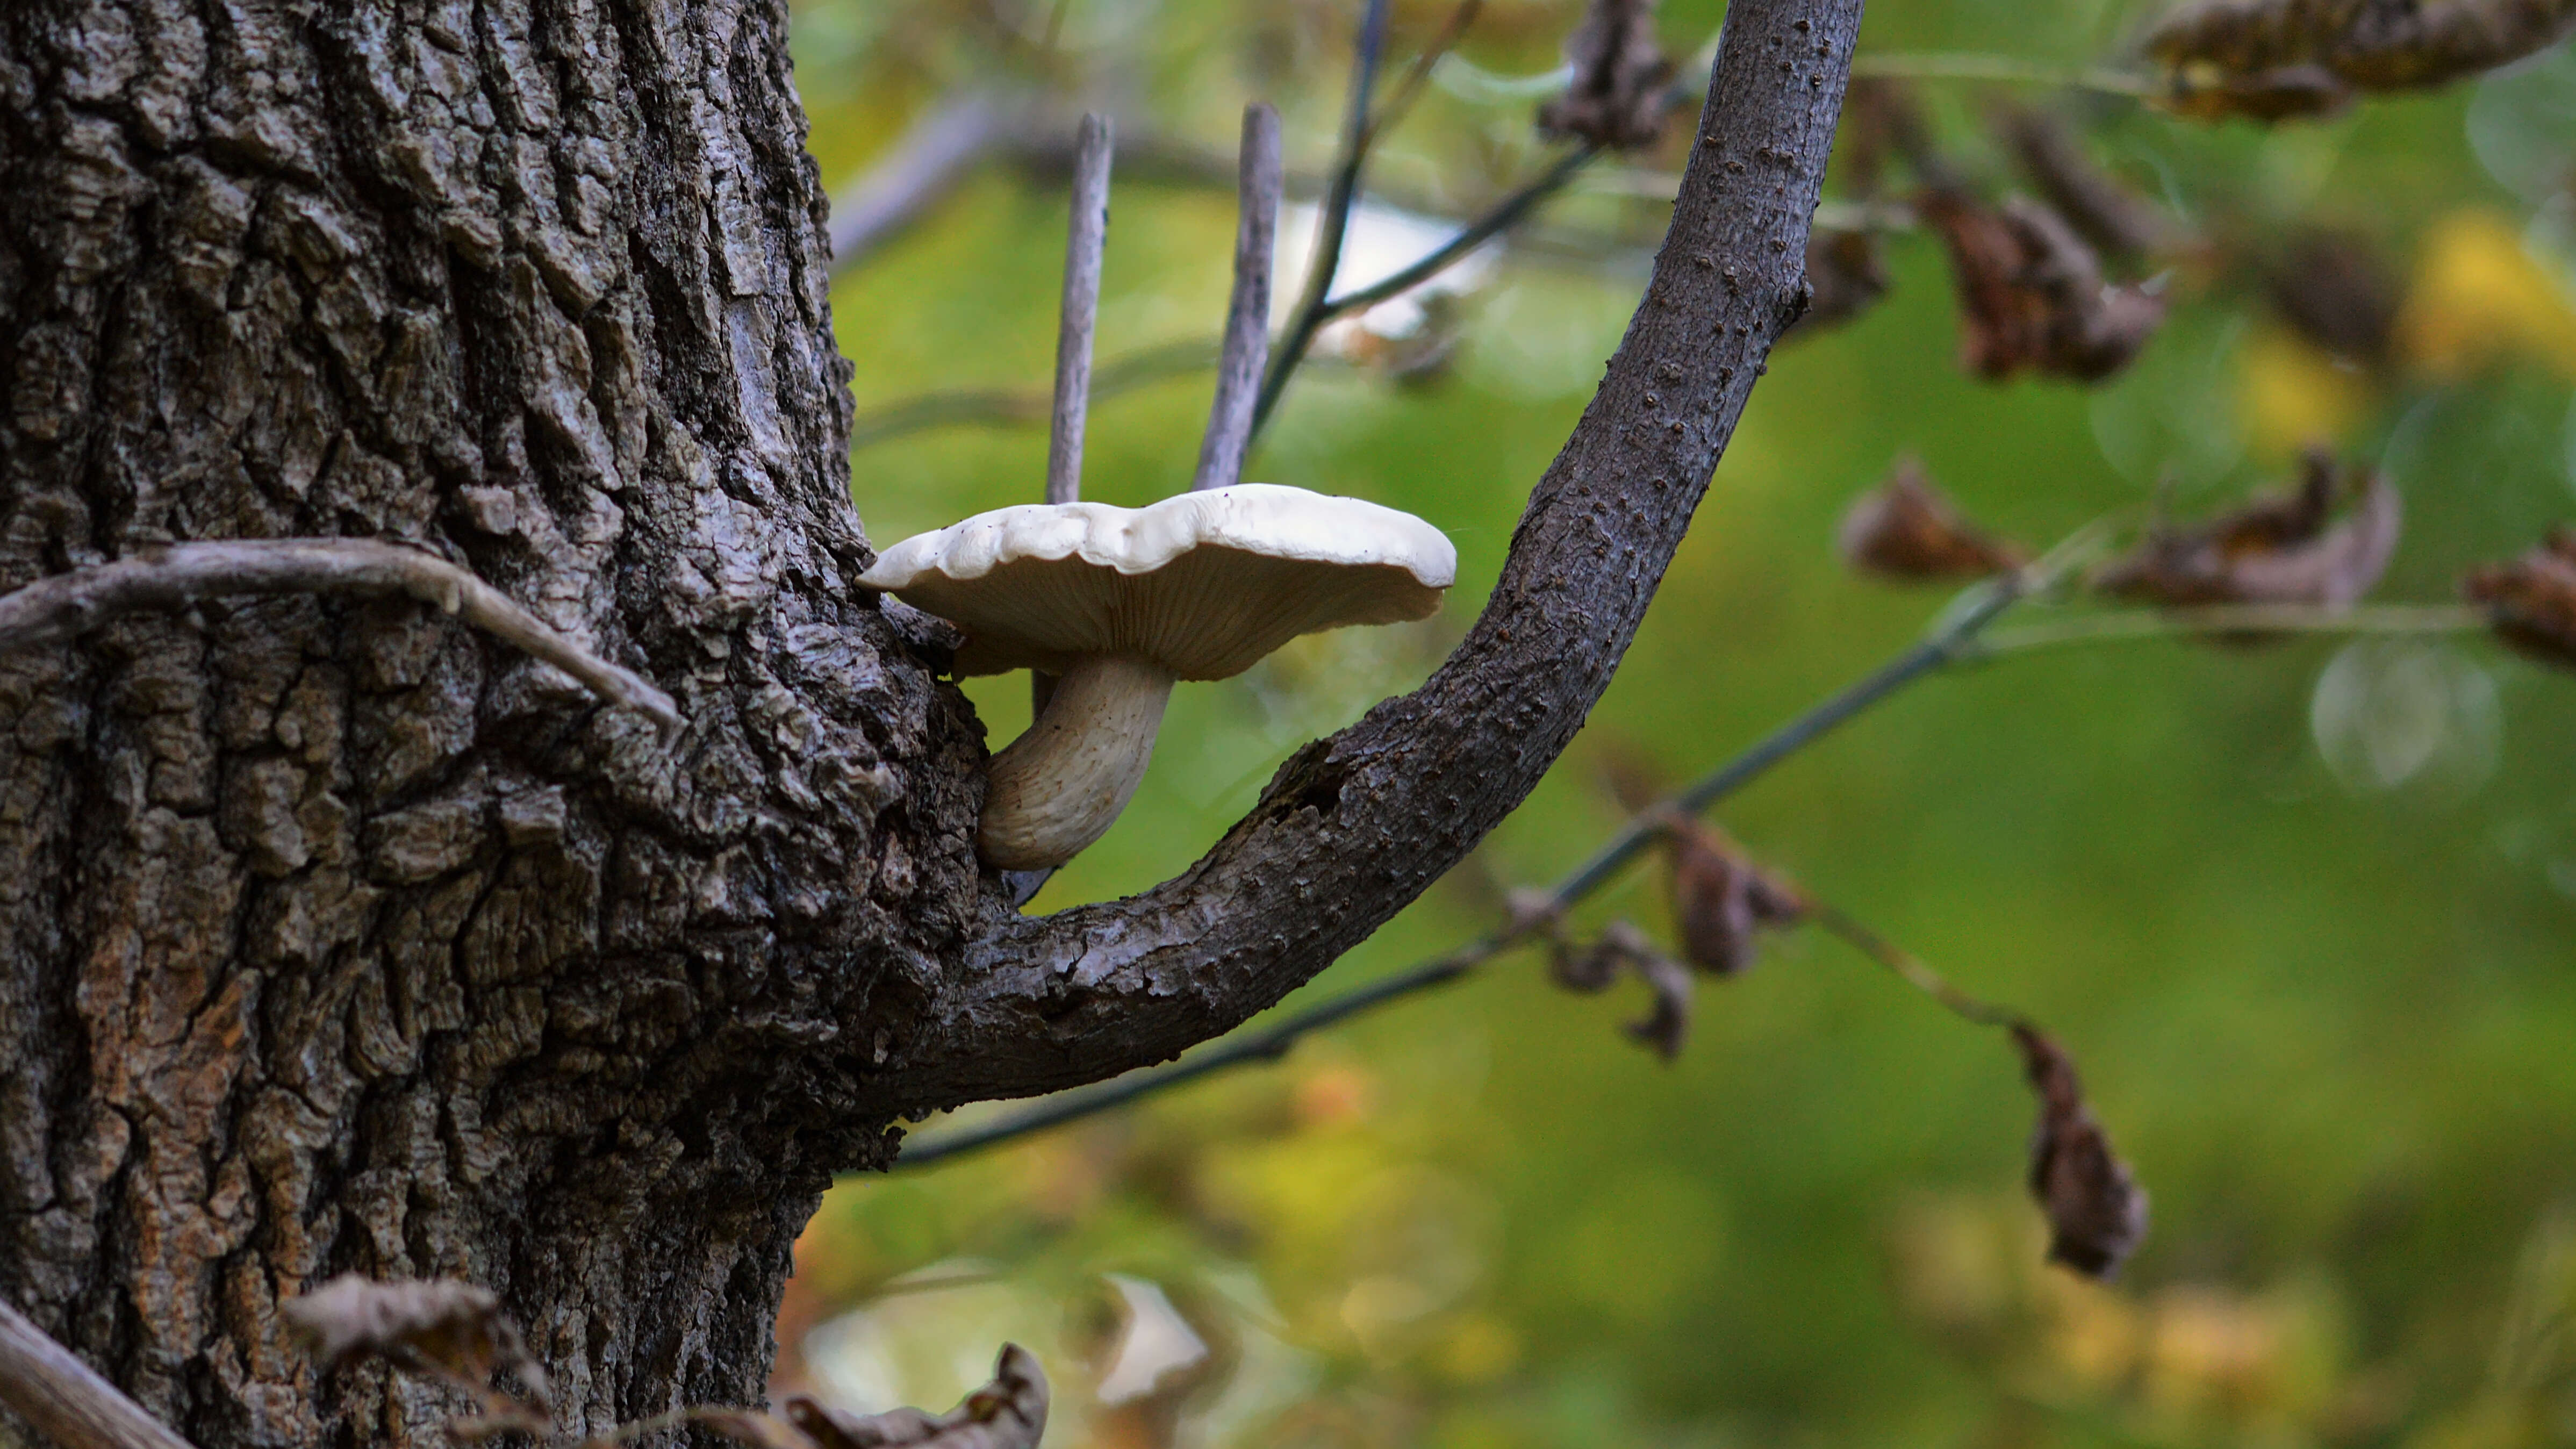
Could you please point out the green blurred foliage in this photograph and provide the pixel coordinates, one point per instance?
(2325, 1005)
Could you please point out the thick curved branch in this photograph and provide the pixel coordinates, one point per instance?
(1353, 828)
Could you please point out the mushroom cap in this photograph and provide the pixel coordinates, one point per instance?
(1201, 584)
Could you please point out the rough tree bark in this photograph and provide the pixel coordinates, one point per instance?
(335, 936)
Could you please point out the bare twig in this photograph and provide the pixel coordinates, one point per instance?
(942, 145)
(1087, 235)
(65, 1399)
(2004, 69)
(63, 606)
(1913, 972)
(1333, 218)
(1020, 407)
(1506, 214)
(1409, 89)
(2234, 619)
(1247, 317)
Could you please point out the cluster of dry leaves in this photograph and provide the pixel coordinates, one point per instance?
(1723, 902)
(457, 1334)
(1620, 92)
(2267, 60)
(2323, 542)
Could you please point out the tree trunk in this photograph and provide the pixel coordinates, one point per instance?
(332, 935)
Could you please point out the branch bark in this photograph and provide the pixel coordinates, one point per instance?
(65, 1399)
(63, 606)
(1354, 827)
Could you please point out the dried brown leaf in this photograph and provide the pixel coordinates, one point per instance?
(1880, 123)
(2276, 550)
(2097, 1213)
(453, 1330)
(1667, 1026)
(2335, 290)
(1617, 97)
(1584, 970)
(2370, 45)
(1845, 277)
(1008, 1413)
(2032, 294)
(1906, 528)
(1722, 900)
(2105, 212)
(2532, 600)
(2282, 93)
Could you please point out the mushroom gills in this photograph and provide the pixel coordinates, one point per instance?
(1060, 786)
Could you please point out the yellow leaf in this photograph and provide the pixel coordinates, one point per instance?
(2478, 295)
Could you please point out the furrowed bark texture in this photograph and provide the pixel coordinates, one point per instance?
(334, 935)
(1356, 826)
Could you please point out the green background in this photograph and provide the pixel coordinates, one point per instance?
(2324, 1000)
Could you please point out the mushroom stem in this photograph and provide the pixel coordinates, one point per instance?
(1058, 787)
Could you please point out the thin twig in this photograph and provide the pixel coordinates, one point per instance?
(1247, 317)
(1878, 948)
(1506, 214)
(1086, 237)
(934, 154)
(1021, 407)
(1409, 89)
(1333, 218)
(1957, 627)
(65, 605)
(2005, 69)
(65, 1399)
(2240, 619)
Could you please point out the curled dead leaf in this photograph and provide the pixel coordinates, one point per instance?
(2532, 600)
(1667, 1026)
(1845, 277)
(1722, 900)
(454, 1330)
(2102, 210)
(2097, 1213)
(1880, 123)
(2334, 289)
(2275, 550)
(1617, 97)
(1622, 949)
(2032, 294)
(2282, 93)
(2369, 45)
(1008, 1413)
(1906, 528)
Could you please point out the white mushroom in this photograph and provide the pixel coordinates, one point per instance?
(1122, 602)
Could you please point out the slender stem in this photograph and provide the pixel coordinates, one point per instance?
(936, 152)
(65, 1399)
(62, 606)
(2397, 619)
(1922, 978)
(1409, 89)
(1247, 318)
(1009, 407)
(1506, 214)
(1333, 219)
(2009, 70)
(1087, 236)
